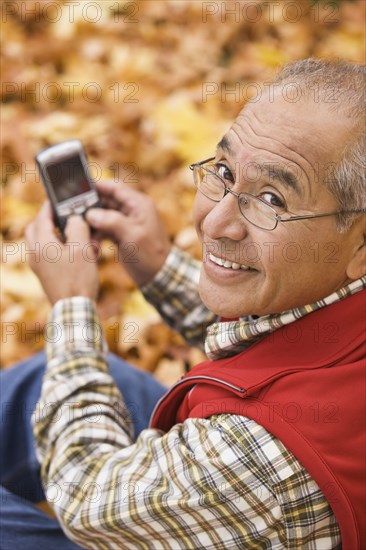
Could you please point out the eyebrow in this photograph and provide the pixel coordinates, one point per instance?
(224, 145)
(281, 175)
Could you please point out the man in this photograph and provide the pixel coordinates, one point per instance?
(260, 446)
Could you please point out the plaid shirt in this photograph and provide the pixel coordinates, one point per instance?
(217, 483)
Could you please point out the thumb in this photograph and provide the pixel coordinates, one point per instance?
(106, 221)
(77, 230)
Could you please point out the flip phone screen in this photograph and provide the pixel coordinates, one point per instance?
(68, 179)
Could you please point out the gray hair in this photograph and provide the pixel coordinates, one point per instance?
(347, 181)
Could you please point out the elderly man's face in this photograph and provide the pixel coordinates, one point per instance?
(300, 261)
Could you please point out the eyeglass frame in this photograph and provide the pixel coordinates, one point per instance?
(277, 217)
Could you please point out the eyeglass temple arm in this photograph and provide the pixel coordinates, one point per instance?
(306, 216)
(192, 166)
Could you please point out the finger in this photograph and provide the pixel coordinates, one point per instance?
(42, 229)
(30, 233)
(77, 230)
(107, 195)
(109, 203)
(119, 192)
(44, 217)
(105, 187)
(106, 221)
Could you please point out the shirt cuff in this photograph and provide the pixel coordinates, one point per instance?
(171, 275)
(74, 327)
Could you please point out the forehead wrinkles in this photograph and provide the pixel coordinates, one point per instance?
(245, 128)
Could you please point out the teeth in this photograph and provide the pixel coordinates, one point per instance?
(226, 263)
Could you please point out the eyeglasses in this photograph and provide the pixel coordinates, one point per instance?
(254, 209)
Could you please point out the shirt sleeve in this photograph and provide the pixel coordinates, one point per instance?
(174, 293)
(222, 482)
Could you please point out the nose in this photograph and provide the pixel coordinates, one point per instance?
(224, 220)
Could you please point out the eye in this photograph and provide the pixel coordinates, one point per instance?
(225, 173)
(273, 200)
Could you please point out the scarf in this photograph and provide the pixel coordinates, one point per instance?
(225, 339)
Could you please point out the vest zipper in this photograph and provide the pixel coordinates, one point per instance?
(201, 378)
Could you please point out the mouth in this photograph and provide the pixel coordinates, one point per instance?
(227, 264)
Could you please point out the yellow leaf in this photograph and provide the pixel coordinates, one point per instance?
(137, 306)
(181, 127)
(21, 283)
(270, 56)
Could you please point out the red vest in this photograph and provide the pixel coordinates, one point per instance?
(304, 383)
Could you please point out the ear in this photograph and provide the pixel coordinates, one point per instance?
(357, 265)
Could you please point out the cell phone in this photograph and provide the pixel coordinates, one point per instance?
(65, 175)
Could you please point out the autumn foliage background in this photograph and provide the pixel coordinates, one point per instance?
(148, 86)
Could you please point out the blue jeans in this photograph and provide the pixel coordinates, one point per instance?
(23, 525)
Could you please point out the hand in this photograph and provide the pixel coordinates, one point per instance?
(64, 269)
(130, 219)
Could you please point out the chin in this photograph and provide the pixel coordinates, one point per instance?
(231, 300)
(221, 307)
(233, 310)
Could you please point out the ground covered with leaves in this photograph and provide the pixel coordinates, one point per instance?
(148, 86)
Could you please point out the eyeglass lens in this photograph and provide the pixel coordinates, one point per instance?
(252, 208)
